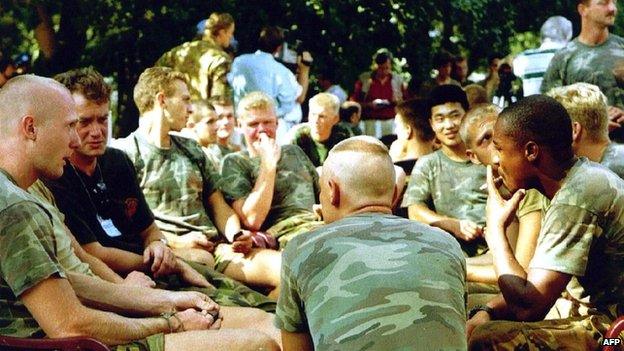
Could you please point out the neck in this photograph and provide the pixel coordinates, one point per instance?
(153, 127)
(592, 150)
(593, 34)
(84, 163)
(23, 173)
(379, 208)
(551, 181)
(456, 152)
(416, 148)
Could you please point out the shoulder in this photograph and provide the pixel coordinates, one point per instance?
(575, 191)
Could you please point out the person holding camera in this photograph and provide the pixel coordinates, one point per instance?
(378, 92)
(260, 71)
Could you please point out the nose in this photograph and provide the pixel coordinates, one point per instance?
(95, 130)
(448, 123)
(74, 139)
(495, 159)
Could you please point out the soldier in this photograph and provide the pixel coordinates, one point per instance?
(446, 178)
(204, 62)
(582, 235)
(40, 298)
(179, 184)
(322, 131)
(107, 212)
(368, 279)
(595, 56)
(476, 132)
(271, 188)
(587, 107)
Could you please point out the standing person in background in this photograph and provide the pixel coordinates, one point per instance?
(378, 92)
(260, 71)
(595, 57)
(460, 70)
(204, 62)
(443, 65)
(530, 65)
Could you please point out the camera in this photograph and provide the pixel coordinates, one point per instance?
(289, 52)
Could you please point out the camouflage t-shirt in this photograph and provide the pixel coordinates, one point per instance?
(354, 130)
(27, 256)
(613, 158)
(583, 234)
(205, 66)
(374, 281)
(296, 182)
(578, 62)
(315, 150)
(64, 252)
(451, 187)
(174, 182)
(215, 153)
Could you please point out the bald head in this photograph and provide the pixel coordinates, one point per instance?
(363, 169)
(32, 95)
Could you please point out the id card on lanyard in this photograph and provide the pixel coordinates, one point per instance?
(109, 227)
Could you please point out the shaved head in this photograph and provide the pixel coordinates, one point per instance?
(364, 171)
(38, 128)
(30, 95)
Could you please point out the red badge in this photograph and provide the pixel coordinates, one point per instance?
(131, 205)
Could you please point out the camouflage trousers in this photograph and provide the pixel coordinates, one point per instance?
(228, 292)
(289, 228)
(574, 333)
(154, 342)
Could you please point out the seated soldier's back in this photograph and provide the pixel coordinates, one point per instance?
(375, 281)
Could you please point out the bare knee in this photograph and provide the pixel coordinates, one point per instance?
(261, 341)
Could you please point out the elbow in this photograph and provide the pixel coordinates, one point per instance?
(252, 223)
(529, 314)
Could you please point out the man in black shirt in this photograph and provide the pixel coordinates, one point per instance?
(107, 212)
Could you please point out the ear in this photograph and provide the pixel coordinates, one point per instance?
(334, 193)
(473, 157)
(160, 98)
(577, 131)
(27, 127)
(580, 8)
(531, 151)
(410, 131)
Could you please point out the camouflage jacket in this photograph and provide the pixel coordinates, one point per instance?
(205, 66)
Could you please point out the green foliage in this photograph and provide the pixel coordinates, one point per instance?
(122, 38)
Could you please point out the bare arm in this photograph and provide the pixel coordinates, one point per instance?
(226, 219)
(118, 260)
(296, 341)
(156, 252)
(463, 229)
(303, 75)
(124, 299)
(528, 295)
(58, 311)
(254, 208)
(97, 266)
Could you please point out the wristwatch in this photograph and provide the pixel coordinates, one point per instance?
(478, 308)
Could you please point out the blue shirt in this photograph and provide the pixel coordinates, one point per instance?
(261, 72)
